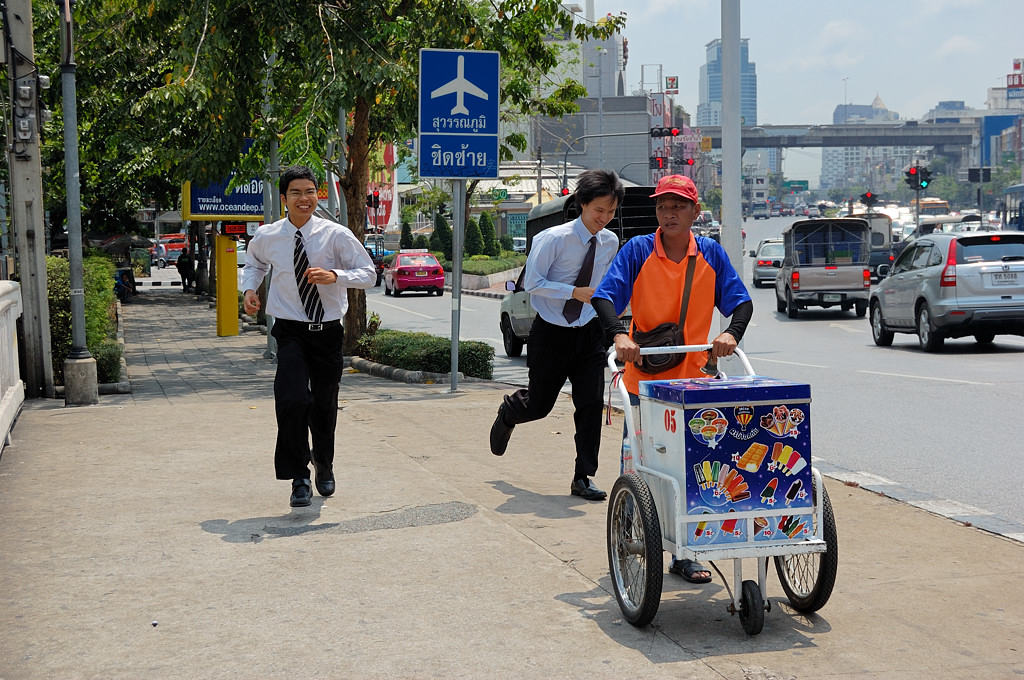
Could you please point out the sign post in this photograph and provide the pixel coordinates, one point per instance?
(458, 140)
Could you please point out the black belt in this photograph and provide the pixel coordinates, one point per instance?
(323, 325)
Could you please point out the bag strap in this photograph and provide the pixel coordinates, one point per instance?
(691, 264)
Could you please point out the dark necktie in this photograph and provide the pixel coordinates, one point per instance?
(308, 293)
(573, 307)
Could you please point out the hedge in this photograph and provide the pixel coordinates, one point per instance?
(100, 317)
(425, 352)
(479, 267)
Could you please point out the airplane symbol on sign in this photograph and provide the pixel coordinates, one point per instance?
(460, 86)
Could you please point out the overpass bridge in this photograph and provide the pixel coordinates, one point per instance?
(949, 139)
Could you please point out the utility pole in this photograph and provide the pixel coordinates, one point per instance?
(81, 385)
(27, 194)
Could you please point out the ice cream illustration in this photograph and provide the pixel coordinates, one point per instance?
(761, 524)
(768, 492)
(752, 457)
(782, 421)
(709, 427)
(793, 491)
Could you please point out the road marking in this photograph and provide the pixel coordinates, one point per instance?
(387, 304)
(926, 377)
(846, 328)
(788, 363)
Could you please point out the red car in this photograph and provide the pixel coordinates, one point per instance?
(413, 270)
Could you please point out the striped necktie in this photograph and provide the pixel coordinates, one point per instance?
(308, 293)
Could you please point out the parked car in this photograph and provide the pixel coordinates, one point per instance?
(519, 244)
(768, 260)
(240, 252)
(168, 248)
(413, 270)
(517, 316)
(775, 211)
(951, 285)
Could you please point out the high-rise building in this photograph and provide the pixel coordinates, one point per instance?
(709, 106)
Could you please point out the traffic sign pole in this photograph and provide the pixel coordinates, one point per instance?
(459, 217)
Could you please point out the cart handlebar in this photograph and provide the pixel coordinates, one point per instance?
(681, 349)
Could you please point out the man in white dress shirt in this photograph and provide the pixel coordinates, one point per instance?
(566, 340)
(314, 262)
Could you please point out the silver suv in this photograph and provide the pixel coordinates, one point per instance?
(951, 286)
(517, 315)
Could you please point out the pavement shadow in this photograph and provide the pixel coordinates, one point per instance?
(695, 624)
(254, 529)
(523, 502)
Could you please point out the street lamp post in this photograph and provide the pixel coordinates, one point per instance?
(81, 386)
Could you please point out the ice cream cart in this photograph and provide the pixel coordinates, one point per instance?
(720, 468)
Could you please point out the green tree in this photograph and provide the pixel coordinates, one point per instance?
(421, 241)
(474, 244)
(491, 246)
(441, 238)
(506, 242)
(205, 88)
(405, 241)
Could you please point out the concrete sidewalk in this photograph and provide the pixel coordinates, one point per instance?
(147, 537)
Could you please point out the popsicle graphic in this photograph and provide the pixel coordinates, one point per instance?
(768, 492)
(701, 528)
(793, 491)
(698, 476)
(729, 525)
(776, 455)
(707, 473)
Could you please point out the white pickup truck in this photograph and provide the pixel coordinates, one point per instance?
(826, 264)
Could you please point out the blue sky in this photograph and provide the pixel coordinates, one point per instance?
(912, 54)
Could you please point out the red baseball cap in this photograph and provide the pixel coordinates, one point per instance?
(676, 184)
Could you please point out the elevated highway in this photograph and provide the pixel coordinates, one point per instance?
(947, 138)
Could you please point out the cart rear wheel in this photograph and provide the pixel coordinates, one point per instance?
(634, 549)
(808, 579)
(751, 608)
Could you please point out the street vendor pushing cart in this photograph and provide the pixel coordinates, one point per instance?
(673, 281)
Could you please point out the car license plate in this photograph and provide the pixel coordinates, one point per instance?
(831, 297)
(1004, 279)
(421, 273)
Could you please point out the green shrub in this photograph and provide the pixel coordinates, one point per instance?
(474, 244)
(441, 238)
(491, 246)
(421, 241)
(506, 243)
(493, 265)
(108, 361)
(479, 258)
(425, 352)
(100, 317)
(405, 241)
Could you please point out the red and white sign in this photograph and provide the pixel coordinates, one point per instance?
(1014, 80)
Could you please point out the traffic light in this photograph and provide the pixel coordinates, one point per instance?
(973, 174)
(913, 179)
(869, 199)
(565, 191)
(925, 177)
(376, 198)
(664, 131)
(689, 161)
(658, 162)
(369, 201)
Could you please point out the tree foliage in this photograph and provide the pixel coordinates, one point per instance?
(405, 241)
(491, 246)
(474, 240)
(441, 238)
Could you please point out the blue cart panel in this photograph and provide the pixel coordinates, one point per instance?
(740, 449)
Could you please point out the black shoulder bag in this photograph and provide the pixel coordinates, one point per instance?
(665, 334)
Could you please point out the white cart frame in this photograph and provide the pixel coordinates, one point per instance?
(807, 592)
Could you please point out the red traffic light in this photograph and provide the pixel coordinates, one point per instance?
(565, 191)
(912, 171)
(869, 195)
(689, 161)
(675, 131)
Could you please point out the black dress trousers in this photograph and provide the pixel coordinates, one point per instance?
(555, 354)
(309, 366)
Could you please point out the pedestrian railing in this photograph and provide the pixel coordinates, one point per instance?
(12, 389)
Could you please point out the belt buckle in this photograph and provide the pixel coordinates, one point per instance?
(316, 326)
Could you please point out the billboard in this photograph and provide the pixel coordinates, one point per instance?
(211, 203)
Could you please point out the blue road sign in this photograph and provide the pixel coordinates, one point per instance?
(458, 129)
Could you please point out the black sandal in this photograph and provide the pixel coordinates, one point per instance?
(687, 569)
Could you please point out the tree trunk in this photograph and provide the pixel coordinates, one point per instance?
(354, 186)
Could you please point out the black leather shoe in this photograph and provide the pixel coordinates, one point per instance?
(324, 478)
(500, 432)
(301, 494)
(585, 489)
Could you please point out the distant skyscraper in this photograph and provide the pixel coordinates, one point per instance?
(873, 167)
(709, 106)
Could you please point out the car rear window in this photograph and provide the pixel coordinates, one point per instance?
(990, 248)
(414, 260)
(773, 250)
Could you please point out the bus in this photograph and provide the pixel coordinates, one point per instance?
(931, 206)
(1013, 207)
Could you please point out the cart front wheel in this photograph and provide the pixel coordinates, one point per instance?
(808, 579)
(752, 608)
(634, 549)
